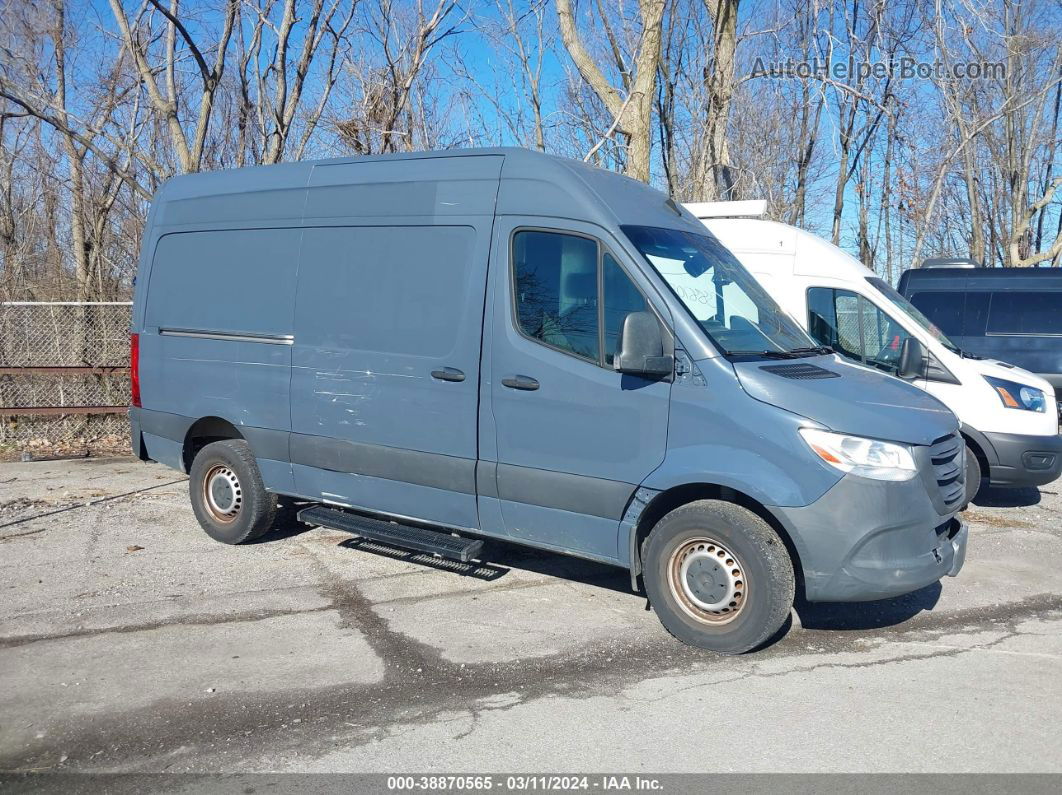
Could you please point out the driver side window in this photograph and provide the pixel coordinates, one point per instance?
(571, 294)
(855, 327)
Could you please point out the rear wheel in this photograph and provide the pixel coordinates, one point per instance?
(228, 496)
(973, 477)
(718, 576)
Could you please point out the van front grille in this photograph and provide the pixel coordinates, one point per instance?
(946, 455)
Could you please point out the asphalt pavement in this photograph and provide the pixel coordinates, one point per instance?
(129, 641)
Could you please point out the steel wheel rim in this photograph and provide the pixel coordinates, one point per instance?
(222, 493)
(708, 581)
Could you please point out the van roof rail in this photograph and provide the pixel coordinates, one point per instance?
(949, 262)
(755, 208)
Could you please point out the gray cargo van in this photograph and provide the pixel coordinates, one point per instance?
(433, 349)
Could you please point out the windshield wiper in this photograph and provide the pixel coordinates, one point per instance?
(766, 354)
(960, 352)
(823, 349)
(795, 353)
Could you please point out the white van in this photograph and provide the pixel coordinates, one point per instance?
(1009, 417)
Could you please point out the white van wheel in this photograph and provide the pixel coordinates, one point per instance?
(973, 478)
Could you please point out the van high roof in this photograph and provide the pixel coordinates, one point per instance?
(998, 279)
(504, 180)
(760, 236)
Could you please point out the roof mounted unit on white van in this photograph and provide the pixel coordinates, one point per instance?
(756, 208)
(949, 262)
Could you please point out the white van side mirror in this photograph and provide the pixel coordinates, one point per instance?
(641, 348)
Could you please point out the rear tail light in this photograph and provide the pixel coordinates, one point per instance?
(134, 370)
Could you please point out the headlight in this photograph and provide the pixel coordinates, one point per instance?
(868, 458)
(1018, 396)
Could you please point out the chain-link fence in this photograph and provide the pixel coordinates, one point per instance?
(64, 377)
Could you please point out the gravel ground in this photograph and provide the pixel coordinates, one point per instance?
(129, 641)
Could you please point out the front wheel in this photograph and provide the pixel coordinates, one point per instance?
(973, 478)
(228, 496)
(718, 576)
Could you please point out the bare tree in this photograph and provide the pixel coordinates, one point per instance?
(514, 90)
(631, 102)
(1001, 127)
(166, 99)
(386, 116)
(720, 82)
(42, 73)
(272, 88)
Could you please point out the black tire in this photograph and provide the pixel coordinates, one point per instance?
(700, 551)
(973, 478)
(228, 496)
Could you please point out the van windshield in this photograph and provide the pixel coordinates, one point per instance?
(729, 304)
(904, 305)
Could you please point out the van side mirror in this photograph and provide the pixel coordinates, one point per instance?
(641, 348)
(912, 359)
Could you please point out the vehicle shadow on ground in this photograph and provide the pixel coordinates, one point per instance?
(497, 559)
(867, 615)
(284, 527)
(500, 557)
(995, 497)
(552, 564)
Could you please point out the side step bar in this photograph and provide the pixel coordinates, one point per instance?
(435, 542)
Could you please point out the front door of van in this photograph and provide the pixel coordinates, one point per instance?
(573, 437)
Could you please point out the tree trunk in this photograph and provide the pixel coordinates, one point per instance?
(720, 85)
(633, 114)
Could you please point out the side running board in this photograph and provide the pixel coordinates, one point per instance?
(434, 542)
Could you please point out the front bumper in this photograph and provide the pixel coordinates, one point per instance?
(958, 545)
(867, 539)
(1020, 460)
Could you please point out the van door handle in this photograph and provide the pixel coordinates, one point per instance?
(448, 374)
(525, 382)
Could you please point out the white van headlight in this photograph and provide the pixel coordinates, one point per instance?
(1018, 396)
(869, 458)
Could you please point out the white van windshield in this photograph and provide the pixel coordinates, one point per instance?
(724, 298)
(906, 306)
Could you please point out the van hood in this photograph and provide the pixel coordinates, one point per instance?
(848, 398)
(1010, 372)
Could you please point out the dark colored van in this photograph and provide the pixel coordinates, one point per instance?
(433, 349)
(1010, 314)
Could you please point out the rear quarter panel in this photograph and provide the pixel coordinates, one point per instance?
(224, 281)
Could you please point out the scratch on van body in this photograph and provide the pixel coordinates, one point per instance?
(369, 374)
(227, 362)
(330, 383)
(335, 499)
(329, 393)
